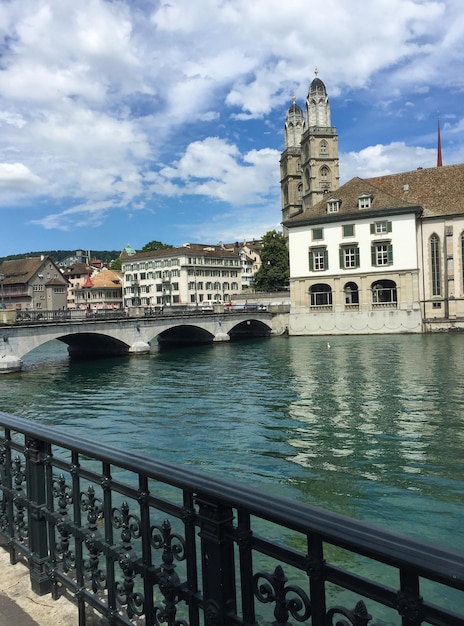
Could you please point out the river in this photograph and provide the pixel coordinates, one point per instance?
(370, 426)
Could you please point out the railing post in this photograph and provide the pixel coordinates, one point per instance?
(218, 568)
(35, 452)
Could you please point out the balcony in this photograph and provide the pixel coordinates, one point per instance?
(149, 542)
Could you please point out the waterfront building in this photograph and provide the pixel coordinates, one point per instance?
(76, 274)
(354, 264)
(101, 290)
(34, 283)
(187, 275)
(250, 260)
(377, 255)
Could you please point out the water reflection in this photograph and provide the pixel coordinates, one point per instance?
(372, 427)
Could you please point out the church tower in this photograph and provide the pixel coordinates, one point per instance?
(309, 165)
(290, 162)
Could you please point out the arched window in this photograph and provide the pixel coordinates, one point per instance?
(384, 293)
(324, 174)
(435, 264)
(351, 293)
(323, 147)
(300, 191)
(321, 295)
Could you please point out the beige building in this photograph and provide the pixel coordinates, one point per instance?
(101, 290)
(32, 284)
(76, 275)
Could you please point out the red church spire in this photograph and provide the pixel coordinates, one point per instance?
(439, 161)
(88, 282)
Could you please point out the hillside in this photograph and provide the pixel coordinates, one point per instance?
(58, 255)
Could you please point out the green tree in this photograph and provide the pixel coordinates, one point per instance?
(274, 273)
(116, 264)
(155, 245)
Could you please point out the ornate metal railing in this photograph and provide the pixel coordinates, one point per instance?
(148, 542)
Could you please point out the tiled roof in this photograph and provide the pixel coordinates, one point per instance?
(438, 190)
(348, 197)
(20, 270)
(107, 278)
(77, 269)
(195, 249)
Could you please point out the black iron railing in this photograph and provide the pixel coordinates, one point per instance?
(148, 542)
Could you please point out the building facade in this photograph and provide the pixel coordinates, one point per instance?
(32, 284)
(354, 264)
(101, 290)
(377, 255)
(187, 275)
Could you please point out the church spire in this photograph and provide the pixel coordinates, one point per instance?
(439, 160)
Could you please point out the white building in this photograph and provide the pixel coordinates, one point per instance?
(354, 264)
(187, 275)
(378, 255)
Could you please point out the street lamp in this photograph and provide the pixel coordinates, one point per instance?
(2, 301)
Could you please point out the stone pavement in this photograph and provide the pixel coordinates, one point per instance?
(20, 606)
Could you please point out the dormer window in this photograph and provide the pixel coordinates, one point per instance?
(364, 201)
(333, 205)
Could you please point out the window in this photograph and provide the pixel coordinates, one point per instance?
(318, 259)
(321, 295)
(384, 292)
(317, 234)
(333, 205)
(323, 146)
(349, 257)
(325, 176)
(364, 201)
(351, 294)
(379, 228)
(382, 254)
(348, 230)
(435, 264)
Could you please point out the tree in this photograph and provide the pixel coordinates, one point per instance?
(274, 273)
(155, 245)
(116, 264)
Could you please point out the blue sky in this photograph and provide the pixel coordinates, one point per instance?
(127, 121)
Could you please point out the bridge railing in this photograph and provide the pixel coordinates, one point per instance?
(142, 541)
(62, 315)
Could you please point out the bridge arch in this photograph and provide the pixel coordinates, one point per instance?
(113, 337)
(94, 345)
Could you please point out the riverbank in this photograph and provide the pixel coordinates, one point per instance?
(20, 606)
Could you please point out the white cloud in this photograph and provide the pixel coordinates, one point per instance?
(215, 168)
(18, 178)
(113, 104)
(380, 160)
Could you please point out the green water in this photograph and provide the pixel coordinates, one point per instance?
(371, 427)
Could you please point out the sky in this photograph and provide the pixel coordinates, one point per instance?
(127, 121)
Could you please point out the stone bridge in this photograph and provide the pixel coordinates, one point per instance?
(94, 338)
